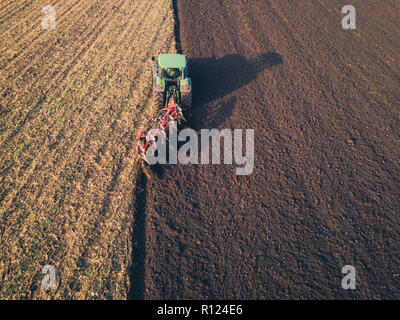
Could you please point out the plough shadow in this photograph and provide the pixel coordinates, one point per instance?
(157, 170)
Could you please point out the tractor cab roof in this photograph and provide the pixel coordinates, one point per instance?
(169, 60)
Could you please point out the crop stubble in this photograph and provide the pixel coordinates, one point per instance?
(72, 100)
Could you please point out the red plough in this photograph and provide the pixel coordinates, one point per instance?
(171, 114)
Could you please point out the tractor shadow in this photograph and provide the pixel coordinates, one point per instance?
(215, 78)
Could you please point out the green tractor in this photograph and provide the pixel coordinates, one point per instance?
(171, 70)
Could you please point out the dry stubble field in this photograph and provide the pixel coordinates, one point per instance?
(71, 102)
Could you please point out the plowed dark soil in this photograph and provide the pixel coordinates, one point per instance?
(324, 104)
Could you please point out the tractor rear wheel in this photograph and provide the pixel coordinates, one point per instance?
(158, 99)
